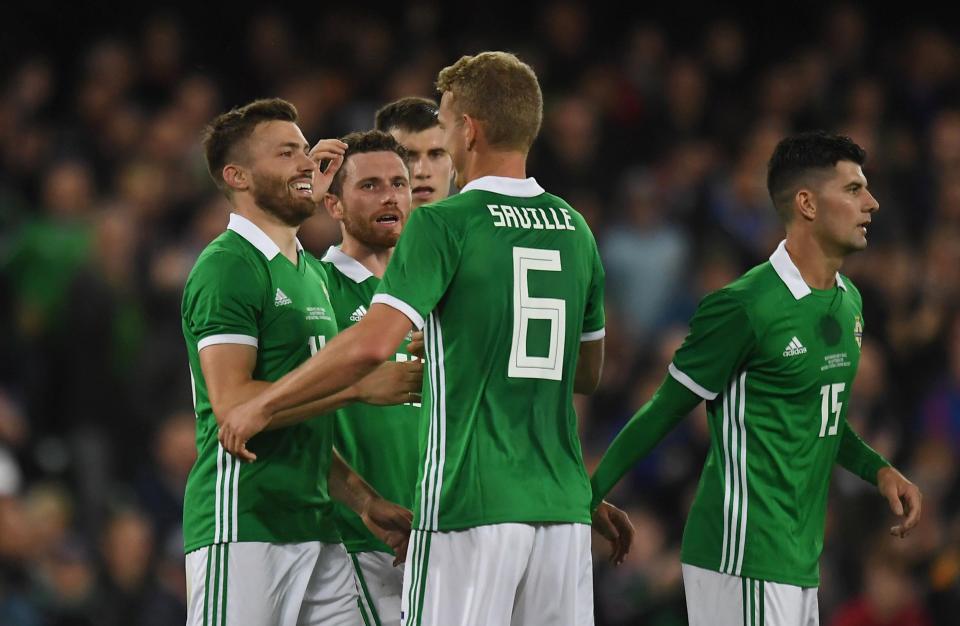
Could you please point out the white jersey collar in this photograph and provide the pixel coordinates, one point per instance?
(257, 238)
(348, 266)
(518, 187)
(787, 271)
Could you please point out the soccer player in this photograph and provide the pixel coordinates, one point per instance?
(413, 122)
(774, 354)
(507, 281)
(370, 197)
(261, 541)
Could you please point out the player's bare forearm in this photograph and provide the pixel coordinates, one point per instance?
(349, 487)
(589, 366)
(351, 355)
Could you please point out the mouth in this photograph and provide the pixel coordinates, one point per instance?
(303, 188)
(388, 220)
(423, 191)
(863, 227)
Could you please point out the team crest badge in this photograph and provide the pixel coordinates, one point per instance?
(858, 330)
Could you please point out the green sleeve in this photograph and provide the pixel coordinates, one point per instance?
(720, 339)
(671, 403)
(594, 318)
(422, 266)
(859, 458)
(222, 300)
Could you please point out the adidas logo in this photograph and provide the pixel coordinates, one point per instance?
(794, 348)
(281, 299)
(357, 315)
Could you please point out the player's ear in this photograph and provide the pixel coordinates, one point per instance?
(333, 205)
(235, 177)
(471, 129)
(806, 202)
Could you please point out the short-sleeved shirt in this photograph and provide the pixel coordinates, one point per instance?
(507, 281)
(379, 442)
(243, 291)
(775, 360)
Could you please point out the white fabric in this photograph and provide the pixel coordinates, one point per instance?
(348, 266)
(500, 575)
(400, 305)
(255, 235)
(790, 275)
(715, 599)
(382, 586)
(272, 584)
(516, 187)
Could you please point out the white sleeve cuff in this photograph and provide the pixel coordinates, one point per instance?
(689, 383)
(401, 306)
(594, 335)
(213, 340)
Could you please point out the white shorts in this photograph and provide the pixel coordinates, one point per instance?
(380, 585)
(271, 584)
(499, 575)
(715, 599)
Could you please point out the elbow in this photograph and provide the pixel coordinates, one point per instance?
(369, 354)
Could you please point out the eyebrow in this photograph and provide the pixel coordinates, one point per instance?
(294, 145)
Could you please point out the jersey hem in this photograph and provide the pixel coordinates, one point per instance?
(559, 518)
(213, 340)
(594, 335)
(758, 574)
(203, 543)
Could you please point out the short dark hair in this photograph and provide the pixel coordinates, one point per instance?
(411, 115)
(361, 142)
(798, 157)
(228, 130)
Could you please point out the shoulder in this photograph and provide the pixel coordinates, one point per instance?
(227, 262)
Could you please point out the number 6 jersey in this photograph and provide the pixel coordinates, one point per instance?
(506, 281)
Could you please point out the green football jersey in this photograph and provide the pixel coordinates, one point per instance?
(243, 291)
(379, 442)
(507, 281)
(775, 360)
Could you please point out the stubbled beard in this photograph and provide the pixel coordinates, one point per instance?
(368, 234)
(274, 196)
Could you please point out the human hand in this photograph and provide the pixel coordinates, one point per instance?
(240, 424)
(391, 524)
(904, 498)
(616, 528)
(392, 383)
(331, 150)
(415, 347)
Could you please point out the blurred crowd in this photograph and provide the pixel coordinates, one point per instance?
(659, 139)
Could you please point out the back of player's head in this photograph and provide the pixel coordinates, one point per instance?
(226, 134)
(800, 159)
(500, 91)
(359, 143)
(411, 115)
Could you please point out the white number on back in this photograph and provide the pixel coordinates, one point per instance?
(527, 308)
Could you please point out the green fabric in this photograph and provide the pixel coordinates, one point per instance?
(238, 294)
(506, 301)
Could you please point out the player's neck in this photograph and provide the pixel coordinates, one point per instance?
(495, 163)
(817, 266)
(373, 258)
(282, 234)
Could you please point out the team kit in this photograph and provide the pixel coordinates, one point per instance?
(386, 435)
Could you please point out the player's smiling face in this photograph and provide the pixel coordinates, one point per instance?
(845, 208)
(430, 165)
(281, 171)
(452, 127)
(374, 201)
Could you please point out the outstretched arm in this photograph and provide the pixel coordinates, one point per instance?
(671, 403)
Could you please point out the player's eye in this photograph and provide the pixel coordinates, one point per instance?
(286, 153)
(399, 184)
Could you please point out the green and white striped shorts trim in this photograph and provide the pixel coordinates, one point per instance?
(718, 599)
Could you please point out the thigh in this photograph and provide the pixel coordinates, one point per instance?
(788, 605)
(248, 582)
(465, 578)
(557, 587)
(379, 584)
(331, 598)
